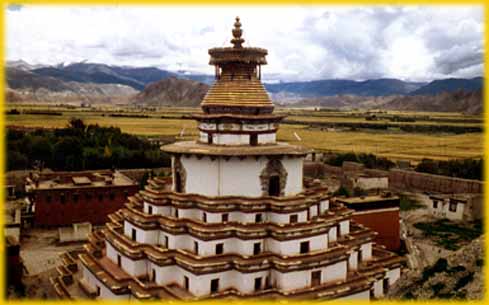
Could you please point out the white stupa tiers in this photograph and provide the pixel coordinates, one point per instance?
(237, 218)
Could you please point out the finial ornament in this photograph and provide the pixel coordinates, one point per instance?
(237, 41)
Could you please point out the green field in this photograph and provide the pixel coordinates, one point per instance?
(391, 144)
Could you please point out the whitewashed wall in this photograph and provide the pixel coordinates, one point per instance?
(236, 177)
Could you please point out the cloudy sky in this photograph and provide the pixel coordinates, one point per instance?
(416, 43)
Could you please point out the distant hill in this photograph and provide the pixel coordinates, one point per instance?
(468, 102)
(29, 86)
(375, 87)
(172, 92)
(449, 85)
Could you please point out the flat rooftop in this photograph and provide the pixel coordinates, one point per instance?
(68, 180)
(367, 199)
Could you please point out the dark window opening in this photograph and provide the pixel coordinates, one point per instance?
(178, 182)
(133, 235)
(98, 290)
(316, 278)
(196, 247)
(360, 256)
(435, 204)
(166, 241)
(274, 186)
(75, 197)
(293, 218)
(214, 285)
(225, 217)
(253, 139)
(204, 217)
(119, 261)
(210, 140)
(100, 197)
(256, 248)
(153, 275)
(62, 198)
(385, 285)
(258, 283)
(452, 207)
(258, 218)
(304, 247)
(186, 282)
(219, 248)
(150, 210)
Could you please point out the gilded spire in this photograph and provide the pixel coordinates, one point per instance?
(237, 32)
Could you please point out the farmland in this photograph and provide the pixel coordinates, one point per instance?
(391, 142)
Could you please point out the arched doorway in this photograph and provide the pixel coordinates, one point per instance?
(274, 186)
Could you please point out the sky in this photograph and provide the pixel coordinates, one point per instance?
(413, 43)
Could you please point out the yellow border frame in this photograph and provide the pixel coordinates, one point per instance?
(240, 2)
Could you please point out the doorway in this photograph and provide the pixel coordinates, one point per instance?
(316, 278)
(274, 186)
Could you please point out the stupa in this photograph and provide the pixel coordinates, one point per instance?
(237, 219)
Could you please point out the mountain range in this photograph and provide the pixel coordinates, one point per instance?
(93, 82)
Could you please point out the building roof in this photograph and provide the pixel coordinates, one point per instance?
(196, 148)
(367, 199)
(70, 180)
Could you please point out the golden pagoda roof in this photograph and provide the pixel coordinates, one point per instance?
(242, 93)
(238, 84)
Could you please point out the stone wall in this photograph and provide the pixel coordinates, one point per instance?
(403, 179)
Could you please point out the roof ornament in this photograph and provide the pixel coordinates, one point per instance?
(237, 41)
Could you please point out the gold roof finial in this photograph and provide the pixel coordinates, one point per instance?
(237, 32)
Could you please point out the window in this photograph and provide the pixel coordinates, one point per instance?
(258, 218)
(98, 290)
(196, 247)
(293, 218)
(256, 248)
(274, 186)
(304, 247)
(219, 248)
(100, 197)
(186, 282)
(48, 198)
(316, 278)
(176, 213)
(267, 283)
(204, 217)
(435, 204)
(75, 197)
(150, 210)
(119, 260)
(452, 207)
(225, 217)
(178, 182)
(133, 234)
(209, 138)
(166, 241)
(385, 285)
(153, 275)
(253, 139)
(62, 198)
(214, 285)
(258, 283)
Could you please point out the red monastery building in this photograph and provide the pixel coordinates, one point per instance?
(64, 198)
(237, 219)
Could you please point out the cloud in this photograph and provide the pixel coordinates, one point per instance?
(304, 42)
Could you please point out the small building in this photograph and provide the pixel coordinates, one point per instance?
(465, 207)
(64, 198)
(380, 213)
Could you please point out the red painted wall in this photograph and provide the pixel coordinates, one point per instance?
(88, 207)
(386, 223)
